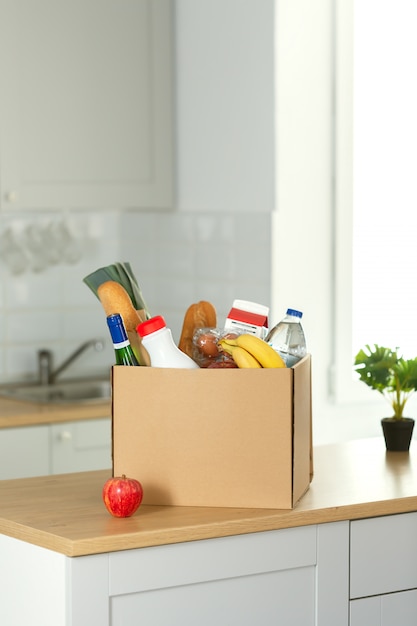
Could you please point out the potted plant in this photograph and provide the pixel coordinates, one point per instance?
(395, 378)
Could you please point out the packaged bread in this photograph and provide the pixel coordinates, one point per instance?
(198, 315)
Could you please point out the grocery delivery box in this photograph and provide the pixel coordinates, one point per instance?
(214, 437)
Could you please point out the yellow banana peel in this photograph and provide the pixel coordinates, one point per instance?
(241, 357)
(261, 351)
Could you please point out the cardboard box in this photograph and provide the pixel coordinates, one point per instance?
(219, 438)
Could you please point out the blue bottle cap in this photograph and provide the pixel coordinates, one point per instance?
(117, 328)
(295, 313)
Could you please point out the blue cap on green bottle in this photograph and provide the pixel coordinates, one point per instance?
(117, 328)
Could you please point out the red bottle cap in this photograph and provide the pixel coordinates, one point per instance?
(150, 326)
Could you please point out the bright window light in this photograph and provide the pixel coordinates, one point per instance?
(385, 175)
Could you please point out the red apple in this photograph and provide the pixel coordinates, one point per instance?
(122, 496)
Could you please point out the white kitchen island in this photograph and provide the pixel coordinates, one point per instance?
(330, 561)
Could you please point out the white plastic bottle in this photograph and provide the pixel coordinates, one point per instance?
(288, 338)
(158, 341)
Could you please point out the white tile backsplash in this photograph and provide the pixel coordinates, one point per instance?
(82, 324)
(199, 257)
(211, 230)
(53, 308)
(178, 227)
(215, 261)
(33, 291)
(31, 326)
(178, 258)
(171, 292)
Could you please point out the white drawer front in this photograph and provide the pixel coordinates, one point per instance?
(225, 557)
(383, 555)
(393, 609)
(283, 597)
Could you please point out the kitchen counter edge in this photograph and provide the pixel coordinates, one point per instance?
(65, 513)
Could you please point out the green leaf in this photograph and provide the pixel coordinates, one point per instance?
(130, 283)
(374, 366)
(406, 374)
(391, 375)
(121, 273)
(100, 276)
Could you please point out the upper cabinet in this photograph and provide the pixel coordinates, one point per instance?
(86, 104)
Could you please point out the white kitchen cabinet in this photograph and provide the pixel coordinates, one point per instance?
(24, 452)
(257, 578)
(86, 106)
(393, 609)
(263, 578)
(160, 567)
(77, 446)
(80, 446)
(383, 571)
(383, 555)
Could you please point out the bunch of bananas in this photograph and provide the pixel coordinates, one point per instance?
(249, 351)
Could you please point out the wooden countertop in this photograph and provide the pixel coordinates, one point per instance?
(20, 413)
(66, 514)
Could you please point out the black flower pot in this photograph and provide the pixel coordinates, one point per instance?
(397, 433)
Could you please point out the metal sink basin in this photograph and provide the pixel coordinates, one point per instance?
(66, 392)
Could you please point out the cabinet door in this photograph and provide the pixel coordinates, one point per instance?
(270, 599)
(261, 578)
(81, 446)
(24, 452)
(383, 555)
(85, 111)
(394, 609)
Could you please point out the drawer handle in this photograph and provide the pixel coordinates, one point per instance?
(11, 196)
(65, 435)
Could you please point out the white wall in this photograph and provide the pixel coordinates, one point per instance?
(302, 259)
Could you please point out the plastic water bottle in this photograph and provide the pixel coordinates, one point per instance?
(158, 341)
(288, 338)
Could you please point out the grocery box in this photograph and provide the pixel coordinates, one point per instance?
(214, 437)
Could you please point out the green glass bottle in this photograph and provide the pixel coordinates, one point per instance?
(121, 344)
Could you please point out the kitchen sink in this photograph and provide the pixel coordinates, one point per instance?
(87, 391)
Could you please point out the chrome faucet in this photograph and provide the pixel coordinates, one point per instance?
(47, 375)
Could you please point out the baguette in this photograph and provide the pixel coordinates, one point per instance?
(115, 299)
(199, 315)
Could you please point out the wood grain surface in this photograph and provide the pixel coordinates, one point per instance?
(14, 413)
(65, 513)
